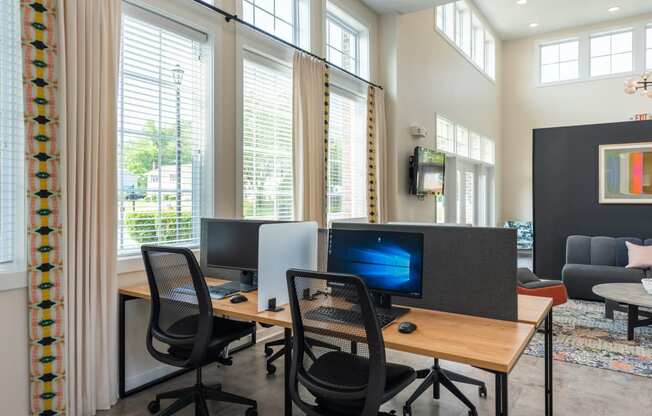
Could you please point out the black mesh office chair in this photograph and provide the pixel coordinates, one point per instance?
(343, 384)
(182, 319)
(273, 356)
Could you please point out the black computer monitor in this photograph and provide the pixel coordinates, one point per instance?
(390, 262)
(230, 244)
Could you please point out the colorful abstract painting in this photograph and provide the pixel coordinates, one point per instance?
(626, 173)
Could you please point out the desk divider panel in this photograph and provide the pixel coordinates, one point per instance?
(467, 270)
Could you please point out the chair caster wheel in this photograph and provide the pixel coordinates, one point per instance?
(154, 406)
(268, 352)
(271, 369)
(482, 391)
(407, 411)
(251, 412)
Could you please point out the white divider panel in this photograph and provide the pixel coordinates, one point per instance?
(282, 247)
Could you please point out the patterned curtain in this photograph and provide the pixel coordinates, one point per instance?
(372, 191)
(378, 175)
(46, 294)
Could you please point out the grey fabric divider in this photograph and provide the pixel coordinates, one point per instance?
(467, 270)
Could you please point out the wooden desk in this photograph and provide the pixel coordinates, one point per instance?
(488, 344)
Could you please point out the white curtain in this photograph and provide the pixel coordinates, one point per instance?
(383, 175)
(89, 55)
(309, 132)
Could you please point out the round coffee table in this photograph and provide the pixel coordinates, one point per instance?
(632, 296)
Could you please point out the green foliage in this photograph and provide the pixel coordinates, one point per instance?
(152, 227)
(142, 155)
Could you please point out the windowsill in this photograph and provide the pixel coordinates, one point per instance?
(585, 79)
(10, 280)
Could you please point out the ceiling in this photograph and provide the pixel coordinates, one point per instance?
(512, 21)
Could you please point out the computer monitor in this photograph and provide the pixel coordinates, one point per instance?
(390, 262)
(230, 244)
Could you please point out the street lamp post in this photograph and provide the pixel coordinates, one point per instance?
(177, 76)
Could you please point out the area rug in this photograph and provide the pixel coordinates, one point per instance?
(582, 335)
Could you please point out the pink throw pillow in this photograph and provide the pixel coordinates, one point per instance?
(640, 257)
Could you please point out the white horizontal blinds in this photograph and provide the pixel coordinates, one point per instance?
(342, 44)
(475, 140)
(11, 128)
(347, 156)
(560, 61)
(273, 16)
(267, 161)
(648, 47)
(612, 53)
(445, 135)
(161, 132)
(487, 150)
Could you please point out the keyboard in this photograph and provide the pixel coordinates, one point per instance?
(345, 316)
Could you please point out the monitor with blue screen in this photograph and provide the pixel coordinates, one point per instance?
(389, 262)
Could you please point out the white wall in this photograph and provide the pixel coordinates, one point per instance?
(424, 75)
(526, 106)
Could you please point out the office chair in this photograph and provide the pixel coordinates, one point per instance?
(182, 319)
(341, 383)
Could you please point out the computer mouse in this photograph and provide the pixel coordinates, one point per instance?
(239, 299)
(406, 327)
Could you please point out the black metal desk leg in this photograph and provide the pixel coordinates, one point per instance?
(548, 363)
(122, 299)
(502, 399)
(286, 371)
(632, 317)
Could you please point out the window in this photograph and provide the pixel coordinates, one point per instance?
(648, 47)
(342, 44)
(464, 28)
(445, 135)
(267, 175)
(612, 53)
(161, 133)
(347, 156)
(476, 152)
(12, 147)
(462, 141)
(277, 17)
(560, 61)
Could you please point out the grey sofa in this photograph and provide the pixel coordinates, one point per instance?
(594, 260)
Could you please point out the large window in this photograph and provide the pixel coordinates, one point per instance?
(457, 140)
(11, 138)
(461, 25)
(612, 53)
(347, 156)
(267, 175)
(342, 44)
(560, 61)
(278, 17)
(161, 132)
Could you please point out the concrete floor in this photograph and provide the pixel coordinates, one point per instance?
(579, 390)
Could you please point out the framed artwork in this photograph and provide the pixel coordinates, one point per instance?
(625, 172)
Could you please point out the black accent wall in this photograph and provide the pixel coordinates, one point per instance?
(565, 190)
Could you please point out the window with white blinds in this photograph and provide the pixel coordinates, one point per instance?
(347, 156)
(445, 135)
(267, 175)
(161, 131)
(11, 136)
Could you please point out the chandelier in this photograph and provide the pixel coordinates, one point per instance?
(643, 84)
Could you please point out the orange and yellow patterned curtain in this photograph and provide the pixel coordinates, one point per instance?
(44, 261)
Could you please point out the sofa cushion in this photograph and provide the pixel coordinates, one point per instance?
(580, 278)
(603, 251)
(648, 242)
(622, 255)
(639, 256)
(578, 249)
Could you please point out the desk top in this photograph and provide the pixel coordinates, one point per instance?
(533, 309)
(481, 342)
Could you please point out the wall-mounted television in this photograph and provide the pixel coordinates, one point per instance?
(427, 172)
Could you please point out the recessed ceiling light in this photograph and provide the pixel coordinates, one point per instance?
(613, 9)
(521, 2)
(534, 25)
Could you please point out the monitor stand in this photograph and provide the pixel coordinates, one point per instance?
(383, 303)
(249, 281)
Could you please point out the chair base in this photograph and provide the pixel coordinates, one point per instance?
(437, 376)
(199, 394)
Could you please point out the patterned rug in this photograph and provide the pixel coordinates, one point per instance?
(582, 335)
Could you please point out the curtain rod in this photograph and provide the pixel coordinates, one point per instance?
(233, 17)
